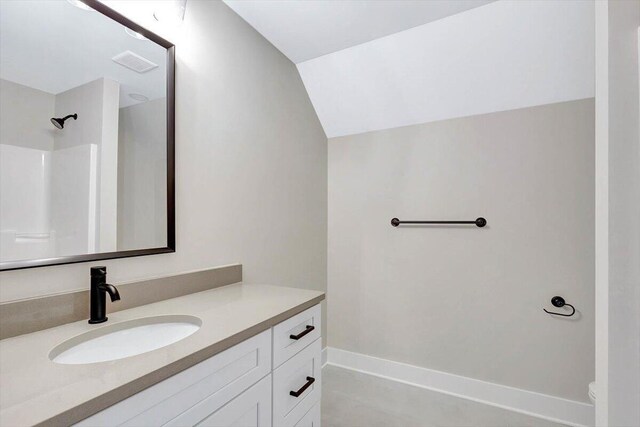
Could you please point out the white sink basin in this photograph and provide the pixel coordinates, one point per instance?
(125, 339)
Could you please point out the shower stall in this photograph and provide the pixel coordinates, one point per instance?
(52, 210)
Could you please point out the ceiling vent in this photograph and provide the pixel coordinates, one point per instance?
(134, 62)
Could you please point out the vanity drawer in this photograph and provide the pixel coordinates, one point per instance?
(311, 418)
(294, 334)
(216, 380)
(251, 409)
(302, 370)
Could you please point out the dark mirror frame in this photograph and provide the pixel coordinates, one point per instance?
(171, 226)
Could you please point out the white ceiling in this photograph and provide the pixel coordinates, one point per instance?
(501, 56)
(307, 29)
(54, 46)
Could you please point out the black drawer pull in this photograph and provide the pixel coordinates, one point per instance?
(310, 380)
(303, 333)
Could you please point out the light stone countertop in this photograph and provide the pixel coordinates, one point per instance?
(34, 390)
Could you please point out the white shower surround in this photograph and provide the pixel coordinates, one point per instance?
(25, 175)
(73, 200)
(47, 201)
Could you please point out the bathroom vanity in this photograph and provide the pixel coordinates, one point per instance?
(272, 378)
(254, 361)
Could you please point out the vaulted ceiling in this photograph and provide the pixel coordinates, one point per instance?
(372, 65)
(304, 30)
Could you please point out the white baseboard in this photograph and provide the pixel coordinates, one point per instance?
(527, 402)
(323, 358)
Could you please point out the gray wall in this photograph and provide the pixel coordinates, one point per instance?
(623, 215)
(25, 116)
(251, 167)
(461, 299)
(96, 104)
(142, 176)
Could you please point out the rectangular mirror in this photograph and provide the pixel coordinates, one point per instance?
(86, 135)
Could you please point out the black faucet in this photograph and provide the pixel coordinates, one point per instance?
(99, 288)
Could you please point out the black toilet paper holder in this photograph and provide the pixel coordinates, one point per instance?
(558, 301)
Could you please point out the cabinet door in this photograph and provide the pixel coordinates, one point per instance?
(212, 382)
(251, 409)
(311, 418)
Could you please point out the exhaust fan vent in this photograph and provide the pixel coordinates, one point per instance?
(134, 62)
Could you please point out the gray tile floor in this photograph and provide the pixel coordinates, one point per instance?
(353, 399)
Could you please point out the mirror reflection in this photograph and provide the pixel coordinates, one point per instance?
(83, 133)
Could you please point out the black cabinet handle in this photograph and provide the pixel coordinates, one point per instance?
(308, 329)
(310, 380)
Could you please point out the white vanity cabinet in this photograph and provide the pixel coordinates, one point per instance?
(271, 379)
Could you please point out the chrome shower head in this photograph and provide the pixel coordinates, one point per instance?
(59, 123)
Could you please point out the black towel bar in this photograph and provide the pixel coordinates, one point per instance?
(479, 222)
